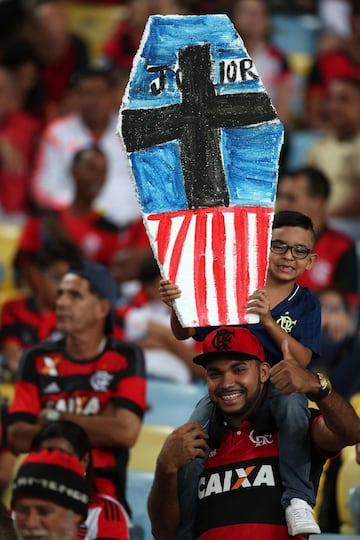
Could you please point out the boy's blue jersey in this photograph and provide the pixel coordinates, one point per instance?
(299, 315)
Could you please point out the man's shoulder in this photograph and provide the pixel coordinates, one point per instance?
(336, 238)
(300, 295)
(46, 347)
(65, 126)
(130, 350)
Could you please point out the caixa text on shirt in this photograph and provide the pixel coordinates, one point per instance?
(230, 71)
(86, 405)
(232, 479)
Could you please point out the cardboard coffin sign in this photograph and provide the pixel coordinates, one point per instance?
(203, 141)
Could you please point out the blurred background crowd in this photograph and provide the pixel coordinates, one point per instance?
(65, 190)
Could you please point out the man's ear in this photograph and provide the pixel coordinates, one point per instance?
(264, 371)
(104, 308)
(313, 257)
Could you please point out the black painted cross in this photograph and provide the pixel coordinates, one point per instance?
(196, 122)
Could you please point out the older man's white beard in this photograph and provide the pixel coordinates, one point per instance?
(68, 531)
(23, 534)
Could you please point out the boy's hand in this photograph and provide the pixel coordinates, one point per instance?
(168, 292)
(259, 303)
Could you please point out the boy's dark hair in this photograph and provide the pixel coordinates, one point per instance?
(80, 153)
(317, 181)
(75, 435)
(289, 218)
(58, 249)
(93, 72)
(337, 290)
(349, 80)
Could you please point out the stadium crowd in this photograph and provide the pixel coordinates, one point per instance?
(67, 195)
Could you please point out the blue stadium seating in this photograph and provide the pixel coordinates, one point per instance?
(295, 33)
(300, 142)
(171, 403)
(138, 488)
(331, 536)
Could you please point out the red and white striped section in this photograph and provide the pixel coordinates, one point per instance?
(217, 256)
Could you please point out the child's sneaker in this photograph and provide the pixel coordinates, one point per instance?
(300, 519)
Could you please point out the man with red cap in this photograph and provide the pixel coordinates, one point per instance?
(49, 496)
(239, 489)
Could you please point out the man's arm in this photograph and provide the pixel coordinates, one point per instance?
(180, 448)
(114, 427)
(19, 436)
(339, 425)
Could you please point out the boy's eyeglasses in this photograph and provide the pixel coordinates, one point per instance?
(298, 252)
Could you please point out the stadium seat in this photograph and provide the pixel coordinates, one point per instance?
(7, 391)
(9, 237)
(299, 144)
(354, 507)
(94, 23)
(140, 476)
(295, 33)
(146, 450)
(138, 488)
(332, 536)
(348, 477)
(171, 403)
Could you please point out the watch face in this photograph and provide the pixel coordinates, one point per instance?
(52, 415)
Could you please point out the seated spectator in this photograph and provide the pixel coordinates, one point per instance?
(26, 320)
(86, 377)
(250, 18)
(106, 517)
(340, 350)
(337, 154)
(60, 53)
(96, 123)
(119, 50)
(21, 61)
(340, 342)
(335, 64)
(307, 190)
(18, 138)
(147, 323)
(49, 496)
(125, 267)
(97, 237)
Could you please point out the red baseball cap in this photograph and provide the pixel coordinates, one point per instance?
(231, 341)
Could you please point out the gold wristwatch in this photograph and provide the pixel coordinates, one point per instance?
(325, 390)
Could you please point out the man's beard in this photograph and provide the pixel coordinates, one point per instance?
(23, 534)
(68, 531)
(248, 406)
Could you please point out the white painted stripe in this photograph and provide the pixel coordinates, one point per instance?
(252, 261)
(186, 304)
(211, 298)
(230, 265)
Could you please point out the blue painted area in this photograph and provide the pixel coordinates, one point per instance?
(250, 159)
(159, 178)
(166, 35)
(250, 154)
